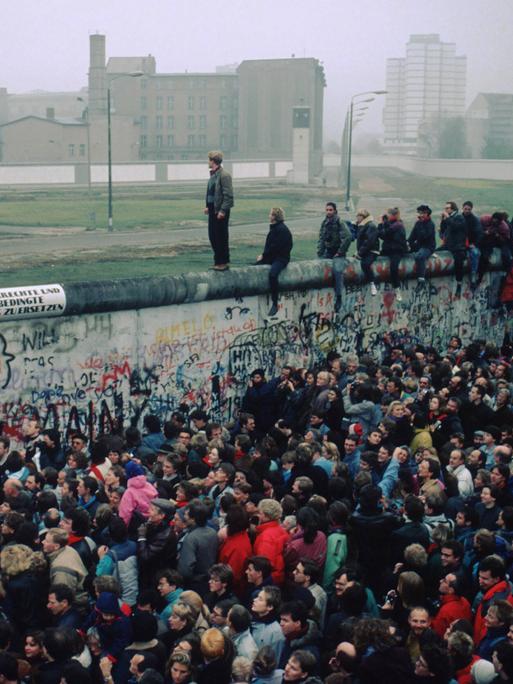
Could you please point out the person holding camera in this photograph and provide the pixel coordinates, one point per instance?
(393, 235)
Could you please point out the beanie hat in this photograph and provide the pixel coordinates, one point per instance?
(107, 602)
(133, 469)
(483, 672)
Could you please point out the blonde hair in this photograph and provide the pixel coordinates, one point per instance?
(185, 612)
(365, 213)
(16, 559)
(332, 452)
(278, 213)
(212, 643)
(270, 508)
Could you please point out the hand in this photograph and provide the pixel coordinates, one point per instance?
(205, 210)
(259, 257)
(102, 550)
(220, 215)
(105, 666)
(141, 531)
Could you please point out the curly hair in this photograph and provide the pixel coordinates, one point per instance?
(372, 632)
(16, 559)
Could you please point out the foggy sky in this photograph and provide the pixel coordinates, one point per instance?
(45, 45)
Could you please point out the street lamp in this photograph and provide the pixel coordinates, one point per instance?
(88, 131)
(351, 122)
(133, 74)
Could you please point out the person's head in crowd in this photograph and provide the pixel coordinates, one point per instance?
(33, 646)
(60, 599)
(476, 459)
(498, 615)
(182, 618)
(293, 619)
(106, 583)
(241, 492)
(500, 475)
(415, 557)
(8, 669)
(305, 573)
(54, 540)
(220, 579)
(219, 613)
(418, 620)
(350, 444)
(269, 510)
(491, 571)
(300, 666)
(460, 647)
(502, 659)
(433, 664)
(87, 488)
(56, 643)
(267, 602)
(502, 454)
(505, 519)
(482, 479)
(489, 495)
(168, 581)
(213, 644)
(179, 667)
(258, 570)
(451, 554)
(369, 498)
(410, 588)
(239, 619)
(144, 626)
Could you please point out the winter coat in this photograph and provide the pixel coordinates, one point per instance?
(66, 567)
(423, 236)
(501, 590)
(296, 548)
(494, 234)
(452, 608)
(334, 238)
(156, 551)
(198, 553)
(270, 542)
(453, 231)
(278, 244)
(116, 634)
(223, 191)
(137, 497)
(170, 599)
(235, 550)
(364, 412)
(393, 235)
(22, 603)
(267, 632)
(367, 238)
(309, 641)
(121, 563)
(260, 401)
(474, 229)
(245, 645)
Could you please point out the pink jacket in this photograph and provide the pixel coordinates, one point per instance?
(137, 497)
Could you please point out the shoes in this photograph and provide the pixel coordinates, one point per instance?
(421, 280)
(221, 267)
(458, 290)
(273, 310)
(338, 303)
(374, 289)
(398, 295)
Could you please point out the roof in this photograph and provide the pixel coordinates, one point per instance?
(127, 65)
(64, 121)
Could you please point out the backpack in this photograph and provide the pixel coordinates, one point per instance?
(127, 574)
(336, 554)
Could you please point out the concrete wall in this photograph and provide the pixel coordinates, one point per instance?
(121, 360)
(143, 172)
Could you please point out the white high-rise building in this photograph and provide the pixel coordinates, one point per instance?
(427, 85)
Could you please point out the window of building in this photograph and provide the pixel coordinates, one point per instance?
(144, 122)
(203, 102)
(223, 121)
(160, 102)
(144, 102)
(82, 150)
(170, 140)
(191, 123)
(222, 140)
(144, 83)
(158, 123)
(170, 121)
(170, 102)
(202, 140)
(203, 121)
(158, 84)
(223, 103)
(235, 142)
(191, 140)
(159, 141)
(143, 141)
(190, 102)
(71, 150)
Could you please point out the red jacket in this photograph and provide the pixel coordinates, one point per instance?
(452, 608)
(501, 590)
(269, 542)
(235, 551)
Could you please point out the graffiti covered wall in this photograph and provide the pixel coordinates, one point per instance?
(87, 371)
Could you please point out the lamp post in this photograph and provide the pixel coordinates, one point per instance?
(133, 74)
(351, 122)
(88, 132)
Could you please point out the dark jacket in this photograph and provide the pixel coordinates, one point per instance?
(156, 551)
(260, 401)
(394, 238)
(423, 236)
(198, 553)
(278, 244)
(309, 641)
(474, 229)
(334, 238)
(223, 193)
(453, 231)
(367, 239)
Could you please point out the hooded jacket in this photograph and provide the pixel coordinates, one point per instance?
(137, 497)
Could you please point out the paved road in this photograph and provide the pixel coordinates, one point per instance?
(36, 240)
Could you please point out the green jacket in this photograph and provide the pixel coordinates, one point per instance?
(223, 196)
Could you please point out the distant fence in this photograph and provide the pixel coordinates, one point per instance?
(143, 172)
(483, 169)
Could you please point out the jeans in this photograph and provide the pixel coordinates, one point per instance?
(474, 253)
(367, 262)
(276, 268)
(339, 266)
(421, 256)
(459, 257)
(395, 260)
(218, 236)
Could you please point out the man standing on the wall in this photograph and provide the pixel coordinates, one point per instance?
(219, 201)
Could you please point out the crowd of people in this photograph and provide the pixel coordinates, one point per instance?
(352, 523)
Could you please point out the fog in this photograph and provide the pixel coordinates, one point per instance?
(45, 45)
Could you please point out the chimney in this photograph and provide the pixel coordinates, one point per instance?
(97, 75)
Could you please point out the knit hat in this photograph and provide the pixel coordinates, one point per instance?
(107, 602)
(133, 469)
(483, 672)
